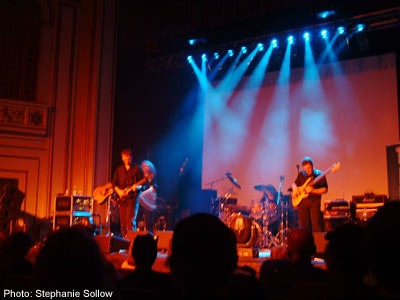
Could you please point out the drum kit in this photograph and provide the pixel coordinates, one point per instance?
(264, 225)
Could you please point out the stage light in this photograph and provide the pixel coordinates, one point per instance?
(260, 47)
(324, 33)
(230, 52)
(216, 55)
(244, 49)
(341, 30)
(196, 41)
(326, 13)
(190, 59)
(306, 36)
(274, 43)
(290, 39)
(204, 57)
(360, 27)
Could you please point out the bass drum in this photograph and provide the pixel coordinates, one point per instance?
(248, 232)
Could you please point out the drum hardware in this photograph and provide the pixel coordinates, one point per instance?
(221, 206)
(284, 224)
(271, 213)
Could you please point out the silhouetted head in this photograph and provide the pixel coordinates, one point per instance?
(384, 245)
(204, 254)
(144, 250)
(301, 246)
(345, 252)
(70, 259)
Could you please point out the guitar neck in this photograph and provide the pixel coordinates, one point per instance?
(140, 182)
(320, 176)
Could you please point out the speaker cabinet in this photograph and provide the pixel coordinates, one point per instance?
(131, 234)
(109, 244)
(164, 241)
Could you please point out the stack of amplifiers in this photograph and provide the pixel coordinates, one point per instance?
(71, 210)
(367, 205)
(336, 212)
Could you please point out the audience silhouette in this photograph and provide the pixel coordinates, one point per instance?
(15, 270)
(70, 259)
(204, 256)
(143, 282)
(384, 245)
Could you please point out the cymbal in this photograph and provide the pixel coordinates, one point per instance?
(233, 180)
(261, 187)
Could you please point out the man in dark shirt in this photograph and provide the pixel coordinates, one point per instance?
(124, 181)
(310, 206)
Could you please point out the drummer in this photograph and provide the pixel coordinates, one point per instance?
(269, 201)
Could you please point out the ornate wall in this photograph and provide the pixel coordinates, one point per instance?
(62, 139)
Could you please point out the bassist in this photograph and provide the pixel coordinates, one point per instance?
(310, 206)
(124, 180)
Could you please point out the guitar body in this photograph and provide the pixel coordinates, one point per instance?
(133, 188)
(301, 194)
(101, 193)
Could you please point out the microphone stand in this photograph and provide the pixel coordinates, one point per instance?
(282, 207)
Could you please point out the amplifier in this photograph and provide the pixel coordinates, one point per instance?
(74, 203)
(337, 209)
(364, 211)
(369, 198)
(72, 210)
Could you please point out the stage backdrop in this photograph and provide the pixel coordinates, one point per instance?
(343, 112)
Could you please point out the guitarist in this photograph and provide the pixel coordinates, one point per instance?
(124, 179)
(310, 206)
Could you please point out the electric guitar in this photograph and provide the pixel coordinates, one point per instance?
(301, 191)
(136, 186)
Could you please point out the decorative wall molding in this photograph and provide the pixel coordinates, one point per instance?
(24, 117)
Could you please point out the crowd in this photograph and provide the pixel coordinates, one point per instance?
(360, 261)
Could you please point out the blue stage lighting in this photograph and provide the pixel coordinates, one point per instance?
(326, 13)
(216, 55)
(260, 47)
(341, 30)
(230, 52)
(191, 42)
(360, 27)
(204, 57)
(190, 59)
(324, 33)
(274, 43)
(306, 36)
(244, 49)
(290, 39)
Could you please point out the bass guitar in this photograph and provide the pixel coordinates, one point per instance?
(301, 191)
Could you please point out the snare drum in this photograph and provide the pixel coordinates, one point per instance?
(247, 231)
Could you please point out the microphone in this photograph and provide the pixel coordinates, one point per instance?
(297, 166)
